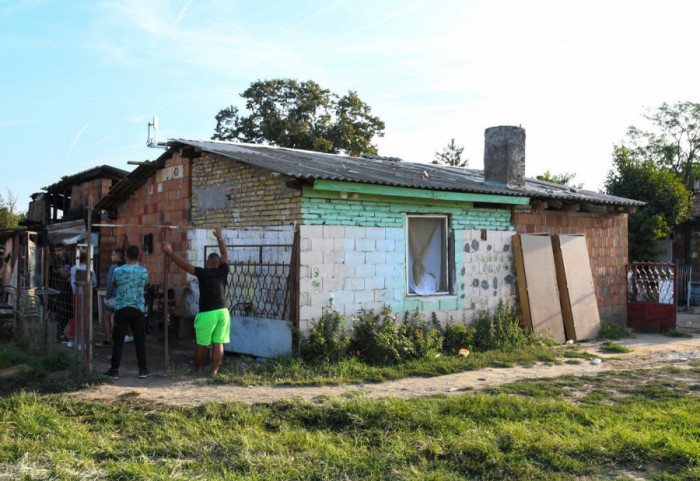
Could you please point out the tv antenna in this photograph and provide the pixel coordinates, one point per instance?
(151, 140)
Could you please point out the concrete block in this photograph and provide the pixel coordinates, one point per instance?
(375, 232)
(333, 231)
(310, 258)
(365, 270)
(344, 244)
(332, 283)
(333, 257)
(343, 270)
(395, 234)
(375, 258)
(311, 231)
(364, 297)
(365, 245)
(305, 245)
(354, 258)
(354, 232)
(354, 283)
(374, 282)
(304, 299)
(384, 245)
(321, 245)
(310, 313)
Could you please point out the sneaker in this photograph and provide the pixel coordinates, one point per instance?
(144, 373)
(128, 339)
(111, 373)
(104, 344)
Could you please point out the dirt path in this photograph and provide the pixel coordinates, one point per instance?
(648, 351)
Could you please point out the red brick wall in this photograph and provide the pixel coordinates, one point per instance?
(606, 237)
(80, 194)
(164, 199)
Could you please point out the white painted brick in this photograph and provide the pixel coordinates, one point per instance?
(310, 258)
(365, 270)
(354, 232)
(304, 272)
(374, 282)
(319, 299)
(395, 258)
(395, 233)
(321, 245)
(365, 245)
(333, 231)
(309, 313)
(354, 283)
(304, 299)
(364, 297)
(354, 258)
(375, 258)
(305, 245)
(333, 257)
(313, 231)
(344, 244)
(306, 285)
(375, 233)
(343, 270)
(384, 245)
(332, 283)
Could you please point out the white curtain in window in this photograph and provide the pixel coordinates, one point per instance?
(425, 254)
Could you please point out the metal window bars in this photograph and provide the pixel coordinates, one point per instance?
(652, 283)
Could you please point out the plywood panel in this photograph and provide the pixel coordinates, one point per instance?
(579, 304)
(537, 284)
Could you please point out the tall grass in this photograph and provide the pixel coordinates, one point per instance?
(613, 426)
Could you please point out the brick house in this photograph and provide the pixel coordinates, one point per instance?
(357, 224)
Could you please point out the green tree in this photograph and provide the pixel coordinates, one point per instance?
(564, 178)
(301, 115)
(9, 217)
(667, 200)
(451, 155)
(674, 142)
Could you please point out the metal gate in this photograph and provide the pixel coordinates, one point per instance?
(262, 297)
(651, 296)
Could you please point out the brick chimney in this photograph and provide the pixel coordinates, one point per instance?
(504, 157)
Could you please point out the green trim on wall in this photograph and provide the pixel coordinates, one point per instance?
(373, 189)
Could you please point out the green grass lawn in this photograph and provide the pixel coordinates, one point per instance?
(617, 425)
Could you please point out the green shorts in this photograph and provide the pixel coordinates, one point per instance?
(213, 326)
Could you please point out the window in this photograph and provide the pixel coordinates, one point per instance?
(428, 270)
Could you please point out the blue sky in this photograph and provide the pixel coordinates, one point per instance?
(80, 80)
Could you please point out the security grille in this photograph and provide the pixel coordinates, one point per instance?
(651, 283)
(261, 282)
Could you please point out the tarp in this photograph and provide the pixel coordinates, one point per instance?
(69, 233)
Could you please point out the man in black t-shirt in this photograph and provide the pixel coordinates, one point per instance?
(213, 323)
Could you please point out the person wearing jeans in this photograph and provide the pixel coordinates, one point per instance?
(130, 305)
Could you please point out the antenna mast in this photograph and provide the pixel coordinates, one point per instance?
(151, 140)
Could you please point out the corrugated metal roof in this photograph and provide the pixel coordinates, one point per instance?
(303, 164)
(101, 171)
(128, 184)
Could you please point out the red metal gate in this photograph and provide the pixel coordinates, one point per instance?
(651, 296)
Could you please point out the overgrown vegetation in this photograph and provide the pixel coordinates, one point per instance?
(627, 425)
(613, 347)
(382, 347)
(51, 369)
(614, 332)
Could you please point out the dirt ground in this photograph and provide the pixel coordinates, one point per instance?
(647, 351)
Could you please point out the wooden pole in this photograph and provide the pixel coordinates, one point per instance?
(87, 333)
(166, 303)
(45, 283)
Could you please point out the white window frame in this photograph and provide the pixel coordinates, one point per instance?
(445, 279)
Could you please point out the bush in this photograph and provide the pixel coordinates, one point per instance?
(614, 331)
(501, 330)
(327, 340)
(457, 336)
(381, 339)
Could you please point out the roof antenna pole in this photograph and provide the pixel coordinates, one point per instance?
(151, 140)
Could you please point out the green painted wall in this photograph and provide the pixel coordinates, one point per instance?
(370, 210)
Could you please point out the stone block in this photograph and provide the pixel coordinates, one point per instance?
(333, 257)
(375, 282)
(355, 232)
(384, 245)
(363, 298)
(321, 245)
(375, 232)
(375, 258)
(344, 244)
(354, 257)
(311, 231)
